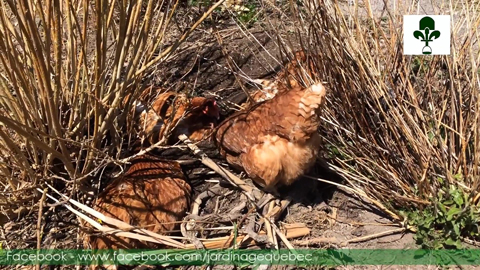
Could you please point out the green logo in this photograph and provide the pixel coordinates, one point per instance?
(426, 33)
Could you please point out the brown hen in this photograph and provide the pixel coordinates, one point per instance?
(153, 194)
(275, 141)
(173, 114)
(300, 71)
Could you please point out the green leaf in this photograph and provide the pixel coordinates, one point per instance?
(453, 211)
(458, 244)
(442, 209)
(448, 202)
(440, 180)
(458, 198)
(437, 244)
(456, 229)
(428, 221)
(450, 242)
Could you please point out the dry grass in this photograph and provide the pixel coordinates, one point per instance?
(67, 67)
(400, 129)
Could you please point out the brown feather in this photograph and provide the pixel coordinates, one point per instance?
(153, 194)
(275, 141)
(173, 113)
(298, 72)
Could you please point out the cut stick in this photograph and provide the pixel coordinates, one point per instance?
(283, 237)
(295, 230)
(276, 211)
(252, 193)
(244, 239)
(275, 239)
(268, 226)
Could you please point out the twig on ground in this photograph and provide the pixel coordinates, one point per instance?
(317, 240)
(188, 230)
(239, 225)
(333, 240)
(251, 192)
(266, 198)
(471, 242)
(250, 230)
(4, 237)
(276, 211)
(376, 235)
(282, 236)
(215, 190)
(235, 213)
(245, 240)
(364, 224)
(268, 226)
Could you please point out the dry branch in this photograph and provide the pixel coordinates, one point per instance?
(140, 234)
(295, 230)
(125, 230)
(251, 192)
(335, 241)
(226, 242)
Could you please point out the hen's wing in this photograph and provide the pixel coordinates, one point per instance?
(275, 141)
(291, 115)
(153, 194)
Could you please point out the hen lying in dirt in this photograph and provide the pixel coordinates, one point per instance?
(174, 114)
(275, 141)
(153, 194)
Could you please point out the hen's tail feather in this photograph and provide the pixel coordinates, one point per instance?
(312, 100)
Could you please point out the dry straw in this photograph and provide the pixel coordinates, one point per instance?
(397, 127)
(66, 69)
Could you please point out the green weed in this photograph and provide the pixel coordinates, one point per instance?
(445, 222)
